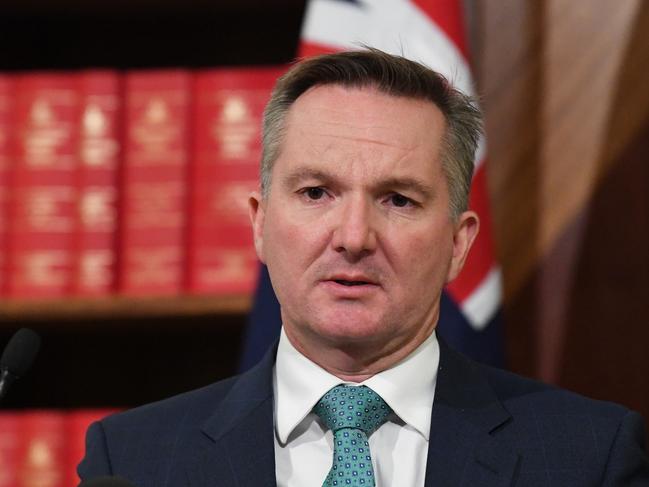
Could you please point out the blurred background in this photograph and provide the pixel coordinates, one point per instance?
(565, 89)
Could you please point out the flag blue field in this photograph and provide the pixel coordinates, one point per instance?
(430, 32)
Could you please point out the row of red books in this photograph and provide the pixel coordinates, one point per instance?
(133, 182)
(41, 448)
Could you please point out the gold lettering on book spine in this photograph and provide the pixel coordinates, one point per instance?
(228, 266)
(156, 134)
(236, 128)
(159, 266)
(231, 201)
(98, 147)
(95, 268)
(97, 207)
(49, 209)
(41, 468)
(156, 205)
(47, 135)
(46, 268)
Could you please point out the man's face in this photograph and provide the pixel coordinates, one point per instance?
(356, 230)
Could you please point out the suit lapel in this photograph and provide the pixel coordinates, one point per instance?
(237, 447)
(462, 449)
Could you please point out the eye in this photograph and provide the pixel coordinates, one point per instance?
(400, 200)
(314, 193)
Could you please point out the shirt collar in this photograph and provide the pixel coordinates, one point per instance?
(407, 387)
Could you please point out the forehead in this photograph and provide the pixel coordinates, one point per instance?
(366, 114)
(361, 130)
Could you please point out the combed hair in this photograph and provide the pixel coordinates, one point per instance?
(392, 75)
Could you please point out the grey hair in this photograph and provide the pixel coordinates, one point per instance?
(392, 75)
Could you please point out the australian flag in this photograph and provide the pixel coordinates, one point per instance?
(432, 33)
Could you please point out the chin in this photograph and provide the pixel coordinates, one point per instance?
(350, 331)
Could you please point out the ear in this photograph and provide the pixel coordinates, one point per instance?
(465, 232)
(257, 213)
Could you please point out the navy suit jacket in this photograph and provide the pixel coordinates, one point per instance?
(489, 428)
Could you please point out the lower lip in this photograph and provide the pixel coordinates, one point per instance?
(349, 292)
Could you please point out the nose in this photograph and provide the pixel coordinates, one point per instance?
(354, 232)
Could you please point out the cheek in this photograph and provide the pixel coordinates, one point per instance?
(425, 257)
(289, 243)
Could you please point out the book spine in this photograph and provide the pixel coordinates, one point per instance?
(99, 151)
(6, 111)
(10, 441)
(227, 113)
(42, 455)
(42, 205)
(153, 206)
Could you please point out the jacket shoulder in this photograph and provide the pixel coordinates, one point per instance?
(524, 395)
(571, 431)
(192, 407)
(141, 444)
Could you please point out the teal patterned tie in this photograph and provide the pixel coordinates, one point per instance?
(352, 413)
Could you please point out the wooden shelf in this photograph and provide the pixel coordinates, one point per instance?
(122, 307)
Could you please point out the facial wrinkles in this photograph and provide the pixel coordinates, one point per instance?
(342, 129)
(326, 261)
(363, 135)
(345, 145)
(350, 169)
(360, 146)
(353, 163)
(354, 230)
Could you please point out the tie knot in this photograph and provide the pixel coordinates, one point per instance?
(352, 407)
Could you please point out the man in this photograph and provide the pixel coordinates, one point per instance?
(362, 219)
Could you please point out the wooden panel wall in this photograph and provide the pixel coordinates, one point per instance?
(565, 89)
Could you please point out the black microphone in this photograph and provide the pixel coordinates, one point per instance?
(17, 358)
(106, 482)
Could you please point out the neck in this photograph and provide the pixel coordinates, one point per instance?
(357, 362)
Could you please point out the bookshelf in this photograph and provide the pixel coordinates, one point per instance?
(123, 307)
(124, 351)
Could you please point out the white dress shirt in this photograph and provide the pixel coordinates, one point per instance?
(399, 448)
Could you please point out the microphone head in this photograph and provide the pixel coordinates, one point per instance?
(20, 352)
(106, 482)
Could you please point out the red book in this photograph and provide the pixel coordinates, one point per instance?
(42, 453)
(6, 97)
(97, 177)
(228, 110)
(77, 424)
(9, 448)
(42, 206)
(153, 207)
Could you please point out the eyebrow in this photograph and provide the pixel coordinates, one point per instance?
(391, 184)
(407, 183)
(302, 173)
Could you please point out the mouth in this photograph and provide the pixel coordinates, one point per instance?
(351, 287)
(345, 282)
